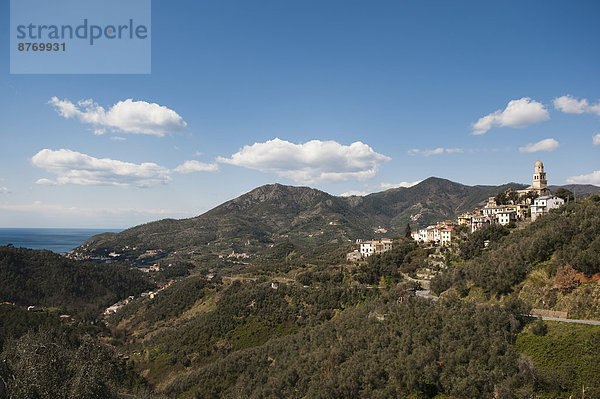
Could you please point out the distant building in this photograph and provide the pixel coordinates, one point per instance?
(442, 233)
(542, 206)
(354, 256)
(540, 184)
(465, 219)
(114, 308)
(155, 268)
(368, 248)
(380, 229)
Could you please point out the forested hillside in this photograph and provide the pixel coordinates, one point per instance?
(46, 355)
(43, 278)
(379, 350)
(566, 239)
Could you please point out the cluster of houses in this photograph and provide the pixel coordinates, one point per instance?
(149, 294)
(117, 306)
(368, 248)
(442, 233)
(535, 201)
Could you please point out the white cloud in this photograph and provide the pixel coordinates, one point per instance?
(436, 151)
(311, 162)
(46, 182)
(196, 166)
(4, 190)
(118, 138)
(570, 105)
(543, 145)
(73, 167)
(126, 116)
(596, 139)
(518, 113)
(405, 184)
(591, 178)
(77, 168)
(354, 192)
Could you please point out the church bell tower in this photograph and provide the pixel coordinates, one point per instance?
(539, 177)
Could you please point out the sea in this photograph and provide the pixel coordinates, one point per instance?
(56, 240)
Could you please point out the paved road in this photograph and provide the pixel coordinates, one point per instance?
(425, 292)
(560, 319)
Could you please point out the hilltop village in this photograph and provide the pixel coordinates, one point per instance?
(506, 209)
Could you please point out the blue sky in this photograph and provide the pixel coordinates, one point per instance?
(344, 96)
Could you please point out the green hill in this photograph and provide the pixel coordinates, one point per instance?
(305, 216)
(43, 278)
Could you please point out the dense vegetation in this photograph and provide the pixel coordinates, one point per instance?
(405, 257)
(29, 277)
(16, 322)
(569, 236)
(52, 364)
(566, 360)
(46, 355)
(243, 315)
(384, 349)
(475, 243)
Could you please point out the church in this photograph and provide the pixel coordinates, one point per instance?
(540, 183)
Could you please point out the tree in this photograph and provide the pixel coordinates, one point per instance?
(52, 364)
(539, 328)
(565, 194)
(513, 197)
(567, 279)
(501, 198)
(532, 195)
(407, 231)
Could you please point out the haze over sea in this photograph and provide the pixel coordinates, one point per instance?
(55, 240)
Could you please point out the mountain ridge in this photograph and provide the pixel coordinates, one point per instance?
(275, 213)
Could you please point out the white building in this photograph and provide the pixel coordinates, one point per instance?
(542, 206)
(369, 248)
(506, 217)
(426, 234)
(446, 234)
(436, 234)
(442, 233)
